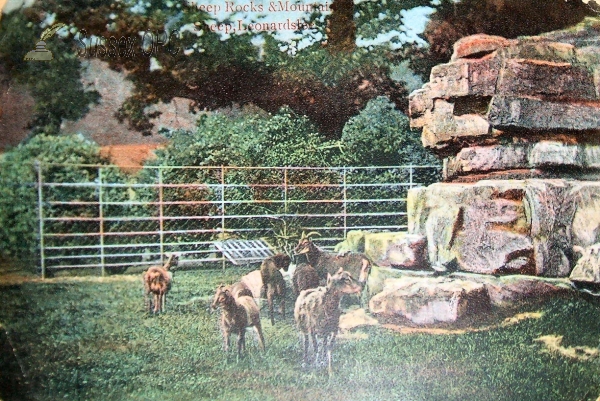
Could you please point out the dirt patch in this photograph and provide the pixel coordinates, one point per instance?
(446, 331)
(552, 345)
(16, 279)
(356, 318)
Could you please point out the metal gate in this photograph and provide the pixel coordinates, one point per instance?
(111, 220)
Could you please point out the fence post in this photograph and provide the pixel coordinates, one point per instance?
(411, 177)
(345, 204)
(285, 191)
(38, 167)
(101, 220)
(161, 215)
(223, 210)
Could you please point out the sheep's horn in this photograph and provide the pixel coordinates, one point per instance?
(313, 233)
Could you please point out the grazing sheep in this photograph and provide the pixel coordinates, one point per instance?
(357, 264)
(273, 283)
(317, 313)
(157, 281)
(240, 289)
(236, 315)
(305, 277)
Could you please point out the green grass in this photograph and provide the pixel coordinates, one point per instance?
(89, 339)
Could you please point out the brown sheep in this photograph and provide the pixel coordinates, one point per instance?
(357, 264)
(236, 315)
(240, 289)
(157, 281)
(317, 313)
(305, 277)
(273, 284)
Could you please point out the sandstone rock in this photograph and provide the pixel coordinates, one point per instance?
(477, 46)
(540, 155)
(482, 225)
(587, 269)
(514, 290)
(444, 127)
(503, 227)
(495, 87)
(463, 78)
(354, 242)
(377, 244)
(585, 219)
(430, 300)
(507, 112)
(380, 274)
(552, 153)
(409, 252)
(539, 49)
(557, 80)
(487, 158)
(454, 298)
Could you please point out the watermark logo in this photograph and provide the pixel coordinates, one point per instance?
(147, 44)
(40, 53)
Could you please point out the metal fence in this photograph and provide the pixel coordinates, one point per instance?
(97, 216)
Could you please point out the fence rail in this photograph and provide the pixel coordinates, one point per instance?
(107, 219)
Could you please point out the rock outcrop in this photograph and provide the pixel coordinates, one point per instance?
(457, 297)
(518, 125)
(522, 104)
(587, 269)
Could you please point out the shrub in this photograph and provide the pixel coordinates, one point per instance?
(18, 177)
(381, 136)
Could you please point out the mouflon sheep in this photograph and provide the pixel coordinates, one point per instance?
(305, 277)
(236, 315)
(157, 281)
(357, 264)
(317, 313)
(273, 284)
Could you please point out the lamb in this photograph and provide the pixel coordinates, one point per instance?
(305, 277)
(317, 313)
(357, 264)
(157, 281)
(236, 315)
(272, 280)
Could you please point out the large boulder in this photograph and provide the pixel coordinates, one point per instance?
(506, 227)
(410, 252)
(458, 297)
(430, 300)
(377, 244)
(587, 269)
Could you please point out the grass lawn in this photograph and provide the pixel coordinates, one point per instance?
(89, 339)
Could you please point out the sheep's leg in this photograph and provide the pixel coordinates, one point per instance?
(305, 356)
(226, 339)
(147, 301)
(156, 302)
(315, 348)
(241, 342)
(164, 301)
(330, 344)
(282, 305)
(270, 293)
(261, 339)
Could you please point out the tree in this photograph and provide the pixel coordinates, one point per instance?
(380, 136)
(341, 30)
(508, 18)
